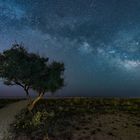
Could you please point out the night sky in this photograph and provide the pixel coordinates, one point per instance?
(98, 40)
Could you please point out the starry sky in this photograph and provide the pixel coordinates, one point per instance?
(98, 40)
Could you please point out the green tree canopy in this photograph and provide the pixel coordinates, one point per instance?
(30, 71)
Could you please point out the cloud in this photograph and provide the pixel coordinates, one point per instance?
(85, 48)
(129, 65)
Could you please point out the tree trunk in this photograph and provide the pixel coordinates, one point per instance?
(33, 103)
(27, 95)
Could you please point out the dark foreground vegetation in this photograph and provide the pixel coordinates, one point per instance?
(5, 102)
(80, 119)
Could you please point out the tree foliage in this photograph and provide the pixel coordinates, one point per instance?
(30, 71)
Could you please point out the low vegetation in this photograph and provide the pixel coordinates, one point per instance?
(79, 119)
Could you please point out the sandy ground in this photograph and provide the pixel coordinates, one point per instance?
(7, 115)
(116, 126)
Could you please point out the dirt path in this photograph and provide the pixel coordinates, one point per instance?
(7, 115)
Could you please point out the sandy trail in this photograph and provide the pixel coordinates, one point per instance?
(7, 116)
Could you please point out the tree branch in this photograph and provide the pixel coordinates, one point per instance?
(17, 83)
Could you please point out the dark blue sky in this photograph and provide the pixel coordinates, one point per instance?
(98, 40)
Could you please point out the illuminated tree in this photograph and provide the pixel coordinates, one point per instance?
(30, 71)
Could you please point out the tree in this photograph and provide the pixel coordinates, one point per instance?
(30, 71)
(49, 79)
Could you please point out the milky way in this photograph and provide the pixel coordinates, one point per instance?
(98, 40)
